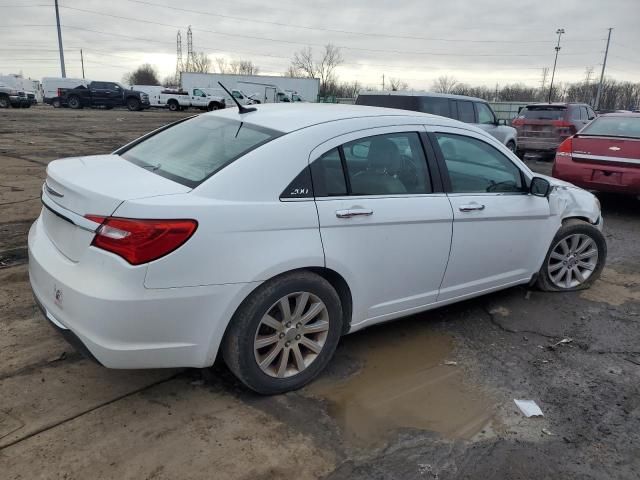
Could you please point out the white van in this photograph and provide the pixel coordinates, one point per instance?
(50, 86)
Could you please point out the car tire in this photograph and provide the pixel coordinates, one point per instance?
(56, 103)
(260, 333)
(570, 263)
(173, 106)
(511, 145)
(4, 101)
(214, 106)
(74, 102)
(133, 104)
(520, 154)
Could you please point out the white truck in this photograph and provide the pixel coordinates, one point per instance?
(176, 100)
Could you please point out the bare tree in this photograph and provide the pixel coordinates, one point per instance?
(544, 75)
(222, 64)
(397, 85)
(200, 63)
(243, 67)
(303, 64)
(145, 74)
(444, 84)
(170, 81)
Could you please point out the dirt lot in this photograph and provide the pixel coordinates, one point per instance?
(427, 397)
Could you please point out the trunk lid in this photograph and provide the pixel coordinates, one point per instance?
(607, 150)
(94, 185)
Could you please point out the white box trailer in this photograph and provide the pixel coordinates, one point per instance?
(307, 88)
(50, 86)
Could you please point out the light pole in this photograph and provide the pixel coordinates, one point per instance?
(64, 73)
(560, 31)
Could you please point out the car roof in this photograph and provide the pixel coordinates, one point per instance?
(419, 93)
(287, 117)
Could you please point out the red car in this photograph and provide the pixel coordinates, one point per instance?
(604, 156)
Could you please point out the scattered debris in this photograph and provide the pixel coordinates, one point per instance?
(450, 362)
(529, 408)
(563, 341)
(547, 432)
(527, 296)
(615, 370)
(502, 311)
(197, 383)
(59, 358)
(635, 360)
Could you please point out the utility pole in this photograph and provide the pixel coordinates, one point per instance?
(64, 73)
(560, 31)
(383, 81)
(82, 63)
(604, 64)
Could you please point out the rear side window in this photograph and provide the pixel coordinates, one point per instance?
(543, 112)
(192, 151)
(435, 106)
(465, 112)
(390, 164)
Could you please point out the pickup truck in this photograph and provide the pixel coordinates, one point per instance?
(105, 94)
(205, 100)
(10, 97)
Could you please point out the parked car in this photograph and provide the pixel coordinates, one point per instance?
(543, 126)
(103, 94)
(466, 109)
(10, 97)
(604, 156)
(51, 85)
(267, 235)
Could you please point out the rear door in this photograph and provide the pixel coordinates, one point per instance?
(500, 232)
(384, 221)
(99, 93)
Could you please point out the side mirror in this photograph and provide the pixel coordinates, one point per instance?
(502, 121)
(540, 187)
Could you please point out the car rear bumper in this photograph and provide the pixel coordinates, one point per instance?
(538, 144)
(597, 176)
(101, 304)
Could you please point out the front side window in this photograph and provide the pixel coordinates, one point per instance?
(193, 150)
(390, 164)
(465, 112)
(485, 114)
(476, 167)
(198, 93)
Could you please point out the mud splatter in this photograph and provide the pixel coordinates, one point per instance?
(614, 288)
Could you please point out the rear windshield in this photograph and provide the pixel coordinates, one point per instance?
(628, 127)
(543, 112)
(193, 150)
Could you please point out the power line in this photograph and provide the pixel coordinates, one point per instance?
(333, 30)
(291, 42)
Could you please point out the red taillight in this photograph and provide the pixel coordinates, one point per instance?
(565, 148)
(141, 241)
(517, 122)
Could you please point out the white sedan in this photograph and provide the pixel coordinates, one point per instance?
(268, 235)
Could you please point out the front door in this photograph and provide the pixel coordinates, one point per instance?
(500, 231)
(385, 225)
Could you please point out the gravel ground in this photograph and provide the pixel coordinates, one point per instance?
(429, 397)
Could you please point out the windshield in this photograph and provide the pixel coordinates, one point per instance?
(628, 127)
(543, 112)
(193, 150)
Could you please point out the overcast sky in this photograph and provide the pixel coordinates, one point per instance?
(478, 42)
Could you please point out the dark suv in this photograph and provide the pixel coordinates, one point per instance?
(543, 126)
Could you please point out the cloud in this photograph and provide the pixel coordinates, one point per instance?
(480, 42)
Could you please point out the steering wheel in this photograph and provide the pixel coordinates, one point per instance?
(496, 186)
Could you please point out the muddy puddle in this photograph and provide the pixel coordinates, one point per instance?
(403, 381)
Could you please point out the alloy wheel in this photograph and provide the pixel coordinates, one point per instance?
(572, 261)
(291, 334)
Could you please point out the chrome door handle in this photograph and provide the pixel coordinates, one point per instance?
(356, 212)
(471, 207)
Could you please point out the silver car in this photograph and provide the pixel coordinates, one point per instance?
(459, 107)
